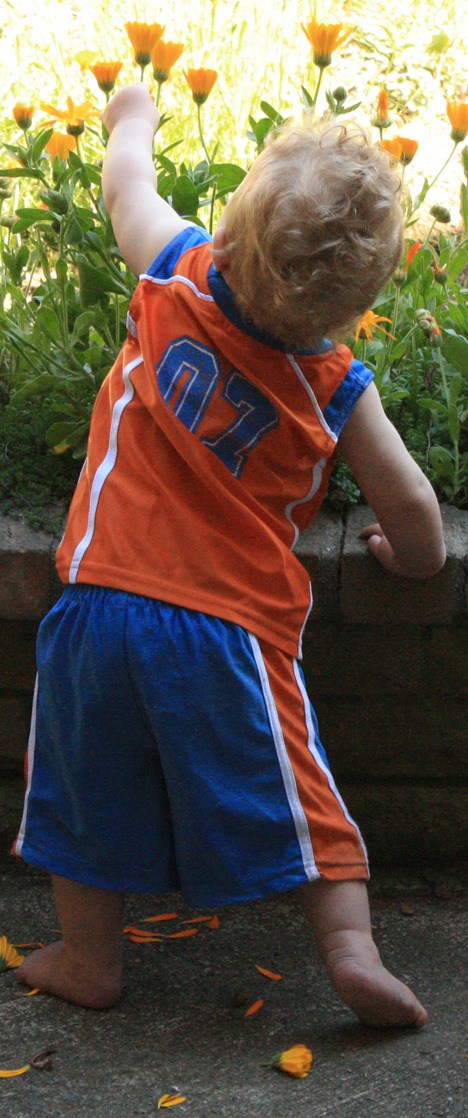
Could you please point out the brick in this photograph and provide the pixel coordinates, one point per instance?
(408, 826)
(24, 571)
(370, 594)
(364, 659)
(11, 808)
(447, 660)
(319, 550)
(414, 739)
(18, 654)
(15, 717)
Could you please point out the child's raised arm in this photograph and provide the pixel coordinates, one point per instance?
(408, 540)
(143, 223)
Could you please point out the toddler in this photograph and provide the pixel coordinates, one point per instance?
(173, 745)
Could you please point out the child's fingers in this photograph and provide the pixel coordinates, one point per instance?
(370, 530)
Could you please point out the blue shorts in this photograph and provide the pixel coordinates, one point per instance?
(171, 750)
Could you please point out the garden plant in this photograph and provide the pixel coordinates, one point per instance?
(65, 289)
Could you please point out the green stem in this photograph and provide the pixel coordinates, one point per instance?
(200, 130)
(317, 87)
(431, 184)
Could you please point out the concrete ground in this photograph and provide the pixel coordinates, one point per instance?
(179, 1026)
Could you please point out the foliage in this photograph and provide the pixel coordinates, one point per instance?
(65, 288)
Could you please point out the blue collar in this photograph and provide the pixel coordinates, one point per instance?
(223, 296)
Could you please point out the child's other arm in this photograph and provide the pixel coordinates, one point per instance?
(408, 540)
(143, 223)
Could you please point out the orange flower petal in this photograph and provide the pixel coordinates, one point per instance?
(36, 990)
(214, 923)
(35, 943)
(254, 1008)
(162, 916)
(144, 939)
(269, 974)
(170, 1100)
(182, 935)
(16, 1071)
(198, 920)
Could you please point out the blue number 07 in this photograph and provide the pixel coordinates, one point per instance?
(198, 365)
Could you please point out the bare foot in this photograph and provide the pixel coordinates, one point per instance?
(355, 968)
(52, 970)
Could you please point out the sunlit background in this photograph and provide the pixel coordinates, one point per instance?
(259, 51)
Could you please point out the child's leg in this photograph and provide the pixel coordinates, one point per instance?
(339, 915)
(86, 967)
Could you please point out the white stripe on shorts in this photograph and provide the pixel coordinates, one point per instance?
(18, 845)
(290, 786)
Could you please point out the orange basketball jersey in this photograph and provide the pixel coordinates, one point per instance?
(210, 450)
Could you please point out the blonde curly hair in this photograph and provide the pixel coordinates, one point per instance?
(314, 231)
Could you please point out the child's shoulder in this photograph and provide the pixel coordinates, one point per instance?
(171, 258)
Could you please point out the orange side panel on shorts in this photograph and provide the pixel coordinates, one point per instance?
(335, 838)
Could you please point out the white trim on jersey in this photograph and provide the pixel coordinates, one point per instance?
(179, 279)
(105, 467)
(317, 474)
(18, 845)
(304, 623)
(312, 397)
(320, 761)
(297, 811)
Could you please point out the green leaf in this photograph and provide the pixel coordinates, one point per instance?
(47, 323)
(454, 423)
(33, 387)
(96, 282)
(433, 405)
(307, 97)
(83, 324)
(457, 261)
(20, 173)
(442, 461)
(40, 142)
(65, 434)
(228, 176)
(455, 349)
(271, 113)
(185, 196)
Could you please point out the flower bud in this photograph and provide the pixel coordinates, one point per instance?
(340, 94)
(427, 323)
(441, 213)
(399, 277)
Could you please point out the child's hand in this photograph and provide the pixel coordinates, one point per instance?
(129, 103)
(381, 549)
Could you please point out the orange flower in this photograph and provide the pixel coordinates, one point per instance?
(9, 956)
(393, 147)
(295, 1061)
(324, 38)
(23, 115)
(381, 119)
(457, 112)
(61, 145)
(201, 83)
(408, 149)
(163, 58)
(143, 37)
(411, 253)
(368, 323)
(106, 74)
(74, 115)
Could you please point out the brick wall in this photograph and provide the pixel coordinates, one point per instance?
(386, 666)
